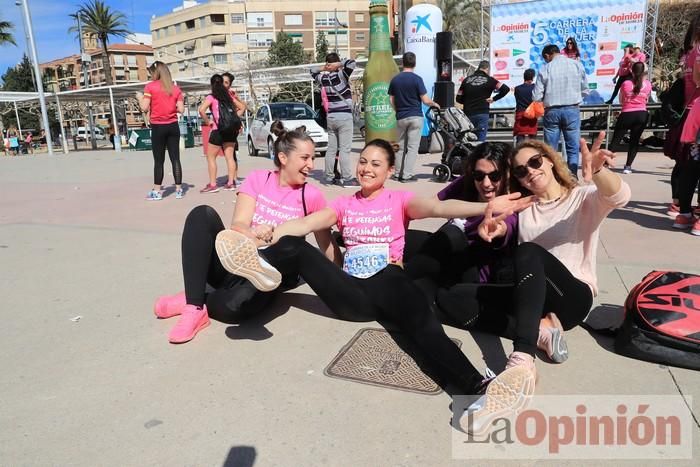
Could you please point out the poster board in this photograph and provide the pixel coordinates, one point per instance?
(519, 32)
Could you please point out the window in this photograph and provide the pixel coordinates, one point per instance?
(205, 63)
(131, 60)
(182, 66)
(327, 18)
(118, 60)
(293, 20)
(240, 58)
(359, 17)
(189, 24)
(260, 39)
(297, 38)
(177, 28)
(237, 18)
(342, 37)
(220, 59)
(359, 36)
(217, 19)
(260, 20)
(203, 22)
(218, 41)
(157, 33)
(165, 32)
(258, 57)
(238, 39)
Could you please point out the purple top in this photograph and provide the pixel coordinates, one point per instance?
(486, 255)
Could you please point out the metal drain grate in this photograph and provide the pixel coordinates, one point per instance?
(373, 357)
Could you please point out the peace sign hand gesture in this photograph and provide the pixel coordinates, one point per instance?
(594, 159)
(493, 227)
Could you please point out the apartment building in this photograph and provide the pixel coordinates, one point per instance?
(233, 34)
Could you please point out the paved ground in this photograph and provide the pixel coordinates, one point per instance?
(77, 239)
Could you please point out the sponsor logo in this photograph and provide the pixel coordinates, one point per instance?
(635, 17)
(606, 59)
(520, 62)
(502, 53)
(501, 65)
(517, 52)
(607, 46)
(517, 27)
(420, 22)
(605, 72)
(502, 77)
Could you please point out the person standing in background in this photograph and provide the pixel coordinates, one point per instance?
(524, 128)
(475, 95)
(407, 92)
(561, 86)
(571, 49)
(163, 100)
(634, 115)
(334, 79)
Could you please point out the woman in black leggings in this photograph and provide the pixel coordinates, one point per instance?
(372, 283)
(265, 199)
(164, 100)
(555, 274)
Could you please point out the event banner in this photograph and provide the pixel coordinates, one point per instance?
(601, 28)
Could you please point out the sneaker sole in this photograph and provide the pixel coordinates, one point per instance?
(161, 314)
(695, 232)
(202, 324)
(560, 351)
(209, 191)
(507, 395)
(682, 226)
(239, 256)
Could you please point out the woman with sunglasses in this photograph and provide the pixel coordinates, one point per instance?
(555, 261)
(571, 49)
(372, 283)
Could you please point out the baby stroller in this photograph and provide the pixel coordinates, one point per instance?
(454, 131)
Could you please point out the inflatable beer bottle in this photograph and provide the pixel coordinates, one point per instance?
(380, 118)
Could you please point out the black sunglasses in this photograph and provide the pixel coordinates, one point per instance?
(494, 176)
(535, 162)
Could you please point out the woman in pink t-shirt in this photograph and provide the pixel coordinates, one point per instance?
(634, 115)
(219, 138)
(163, 100)
(623, 72)
(372, 283)
(266, 199)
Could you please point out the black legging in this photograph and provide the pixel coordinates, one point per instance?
(688, 181)
(163, 136)
(229, 298)
(618, 85)
(542, 285)
(390, 295)
(635, 122)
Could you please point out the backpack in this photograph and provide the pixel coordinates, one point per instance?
(673, 103)
(662, 320)
(228, 121)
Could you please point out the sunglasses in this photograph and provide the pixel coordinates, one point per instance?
(494, 176)
(535, 162)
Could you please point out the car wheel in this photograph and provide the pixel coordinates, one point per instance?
(442, 173)
(252, 152)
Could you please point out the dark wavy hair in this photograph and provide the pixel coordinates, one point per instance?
(499, 154)
(386, 147)
(218, 90)
(287, 139)
(573, 40)
(638, 72)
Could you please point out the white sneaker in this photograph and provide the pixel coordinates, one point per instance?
(627, 170)
(239, 256)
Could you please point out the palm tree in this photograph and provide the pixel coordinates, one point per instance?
(6, 36)
(99, 19)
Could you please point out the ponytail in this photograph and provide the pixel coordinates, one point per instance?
(287, 139)
(638, 77)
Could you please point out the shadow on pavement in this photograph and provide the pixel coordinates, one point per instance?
(647, 214)
(240, 456)
(602, 323)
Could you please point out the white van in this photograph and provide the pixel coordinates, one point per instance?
(83, 134)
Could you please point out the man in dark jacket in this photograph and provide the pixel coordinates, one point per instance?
(476, 95)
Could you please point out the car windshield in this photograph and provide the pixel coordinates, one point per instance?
(291, 112)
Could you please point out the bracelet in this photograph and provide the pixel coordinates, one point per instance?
(597, 170)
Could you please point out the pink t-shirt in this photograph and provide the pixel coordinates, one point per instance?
(275, 204)
(380, 220)
(163, 105)
(214, 111)
(691, 60)
(632, 102)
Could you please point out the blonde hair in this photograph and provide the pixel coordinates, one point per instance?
(561, 171)
(159, 72)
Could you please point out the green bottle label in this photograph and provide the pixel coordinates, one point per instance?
(379, 114)
(379, 33)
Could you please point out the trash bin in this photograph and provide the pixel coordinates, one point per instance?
(189, 137)
(140, 140)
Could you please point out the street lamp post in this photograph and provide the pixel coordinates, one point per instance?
(84, 64)
(37, 75)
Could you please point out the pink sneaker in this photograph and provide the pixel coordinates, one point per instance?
(230, 186)
(191, 321)
(673, 210)
(209, 189)
(696, 228)
(168, 306)
(684, 222)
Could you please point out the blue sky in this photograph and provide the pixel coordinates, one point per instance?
(51, 23)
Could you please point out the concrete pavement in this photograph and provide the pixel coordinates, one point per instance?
(77, 239)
